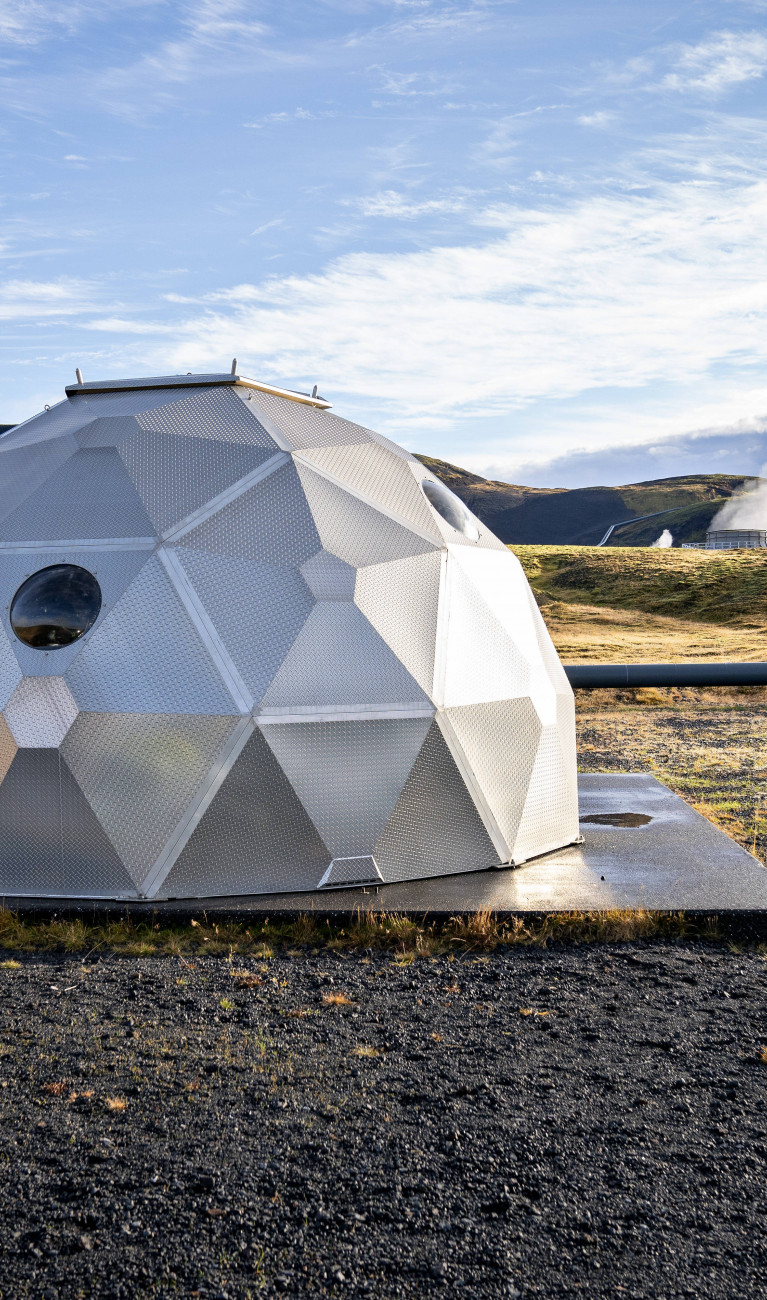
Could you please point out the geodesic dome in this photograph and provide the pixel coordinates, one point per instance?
(250, 647)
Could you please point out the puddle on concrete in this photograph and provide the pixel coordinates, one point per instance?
(617, 819)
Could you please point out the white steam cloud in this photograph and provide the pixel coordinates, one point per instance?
(666, 539)
(747, 508)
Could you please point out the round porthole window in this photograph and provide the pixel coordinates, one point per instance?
(451, 508)
(55, 606)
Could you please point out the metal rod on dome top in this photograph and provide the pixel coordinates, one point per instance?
(79, 375)
(234, 365)
(592, 676)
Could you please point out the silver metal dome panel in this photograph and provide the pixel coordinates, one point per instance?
(304, 672)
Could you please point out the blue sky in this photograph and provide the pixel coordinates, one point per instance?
(527, 237)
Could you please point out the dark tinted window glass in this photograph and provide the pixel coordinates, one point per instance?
(451, 507)
(56, 606)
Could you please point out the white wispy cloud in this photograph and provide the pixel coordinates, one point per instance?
(392, 205)
(29, 22)
(608, 292)
(722, 60)
(37, 299)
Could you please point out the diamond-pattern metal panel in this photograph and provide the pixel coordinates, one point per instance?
(115, 571)
(483, 659)
(175, 475)
(210, 413)
(257, 609)
(254, 838)
(306, 426)
(270, 522)
(139, 772)
(354, 531)
(339, 659)
(8, 748)
(10, 672)
(40, 712)
(500, 741)
(329, 578)
(380, 475)
(107, 431)
(550, 816)
(30, 825)
(23, 470)
(348, 775)
(147, 657)
(91, 495)
(314, 590)
(435, 829)
(347, 872)
(401, 601)
(91, 867)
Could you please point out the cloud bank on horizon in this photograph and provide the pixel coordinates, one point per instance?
(527, 240)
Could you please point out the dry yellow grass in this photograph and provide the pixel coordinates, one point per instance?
(596, 633)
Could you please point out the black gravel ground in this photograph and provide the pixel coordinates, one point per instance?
(575, 1121)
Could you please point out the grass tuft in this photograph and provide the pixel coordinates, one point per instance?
(405, 938)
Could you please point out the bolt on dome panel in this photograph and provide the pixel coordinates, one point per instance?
(354, 531)
(257, 609)
(114, 571)
(147, 657)
(139, 772)
(435, 829)
(30, 825)
(348, 775)
(329, 578)
(255, 837)
(90, 495)
(91, 866)
(40, 712)
(174, 475)
(271, 522)
(338, 659)
(401, 601)
(213, 413)
(381, 476)
(24, 469)
(499, 741)
(107, 431)
(550, 816)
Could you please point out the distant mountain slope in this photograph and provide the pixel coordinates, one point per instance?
(581, 516)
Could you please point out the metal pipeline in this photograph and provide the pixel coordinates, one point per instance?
(713, 674)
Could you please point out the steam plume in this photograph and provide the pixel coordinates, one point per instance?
(666, 539)
(746, 508)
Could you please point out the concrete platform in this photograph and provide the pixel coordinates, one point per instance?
(644, 847)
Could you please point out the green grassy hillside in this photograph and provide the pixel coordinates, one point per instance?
(721, 587)
(554, 516)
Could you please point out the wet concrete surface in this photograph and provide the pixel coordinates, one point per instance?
(644, 847)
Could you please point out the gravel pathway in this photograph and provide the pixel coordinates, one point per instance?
(573, 1121)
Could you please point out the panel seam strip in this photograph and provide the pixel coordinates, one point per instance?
(224, 498)
(369, 501)
(223, 661)
(85, 544)
(470, 781)
(191, 818)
